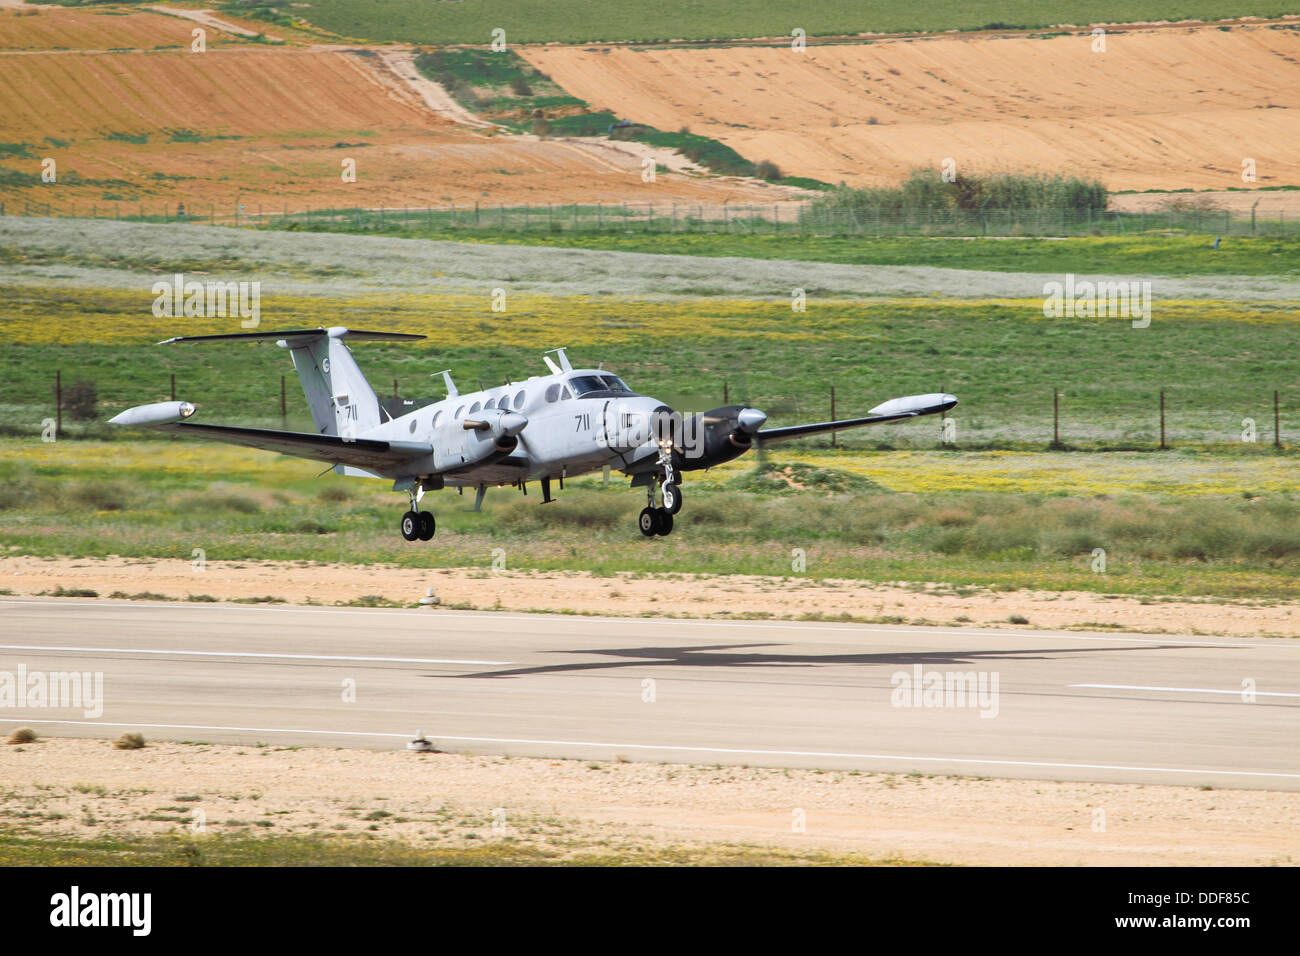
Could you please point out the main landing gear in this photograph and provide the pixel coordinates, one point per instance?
(418, 524)
(659, 521)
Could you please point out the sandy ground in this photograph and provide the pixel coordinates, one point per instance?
(372, 264)
(1159, 109)
(86, 788)
(719, 596)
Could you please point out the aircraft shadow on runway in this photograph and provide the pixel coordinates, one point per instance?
(740, 655)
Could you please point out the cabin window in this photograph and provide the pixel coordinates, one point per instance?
(519, 400)
(437, 419)
(460, 412)
(474, 408)
(491, 403)
(553, 393)
(412, 426)
(564, 393)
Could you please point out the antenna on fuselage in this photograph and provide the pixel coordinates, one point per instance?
(452, 390)
(564, 360)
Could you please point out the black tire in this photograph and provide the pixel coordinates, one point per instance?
(672, 497)
(410, 526)
(427, 525)
(647, 522)
(663, 521)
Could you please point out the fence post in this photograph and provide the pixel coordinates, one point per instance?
(832, 415)
(1162, 420)
(941, 416)
(395, 392)
(726, 400)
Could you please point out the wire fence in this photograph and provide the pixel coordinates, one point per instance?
(788, 218)
(1263, 418)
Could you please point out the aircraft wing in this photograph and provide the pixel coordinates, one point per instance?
(361, 452)
(894, 410)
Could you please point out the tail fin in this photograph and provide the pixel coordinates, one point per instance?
(341, 400)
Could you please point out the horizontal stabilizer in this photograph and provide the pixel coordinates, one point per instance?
(335, 332)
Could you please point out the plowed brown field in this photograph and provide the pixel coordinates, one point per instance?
(254, 125)
(1159, 109)
(69, 29)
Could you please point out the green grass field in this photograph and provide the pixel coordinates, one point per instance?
(1174, 523)
(1216, 517)
(579, 21)
(1218, 362)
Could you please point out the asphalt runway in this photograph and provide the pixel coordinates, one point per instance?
(1055, 705)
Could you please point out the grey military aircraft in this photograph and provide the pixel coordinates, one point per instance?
(547, 428)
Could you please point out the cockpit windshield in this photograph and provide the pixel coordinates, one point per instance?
(597, 383)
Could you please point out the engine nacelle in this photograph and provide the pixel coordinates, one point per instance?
(717, 436)
(482, 438)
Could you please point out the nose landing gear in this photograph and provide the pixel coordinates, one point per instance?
(659, 520)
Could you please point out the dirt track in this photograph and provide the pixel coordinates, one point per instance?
(725, 596)
(1159, 109)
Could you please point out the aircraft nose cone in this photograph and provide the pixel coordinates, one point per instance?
(751, 420)
(512, 423)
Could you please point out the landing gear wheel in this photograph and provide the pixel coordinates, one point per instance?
(647, 522)
(427, 525)
(410, 526)
(663, 521)
(672, 497)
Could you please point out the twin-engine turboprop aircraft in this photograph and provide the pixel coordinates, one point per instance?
(555, 426)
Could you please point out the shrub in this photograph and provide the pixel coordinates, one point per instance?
(81, 399)
(23, 735)
(925, 189)
(129, 741)
(101, 495)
